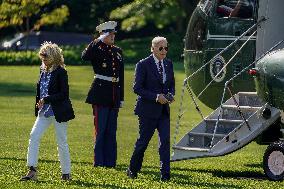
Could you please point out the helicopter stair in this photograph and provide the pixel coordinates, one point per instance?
(231, 133)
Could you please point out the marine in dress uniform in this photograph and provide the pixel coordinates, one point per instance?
(155, 86)
(106, 94)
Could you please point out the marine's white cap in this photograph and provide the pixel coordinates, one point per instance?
(107, 27)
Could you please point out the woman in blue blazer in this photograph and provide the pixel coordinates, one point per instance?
(52, 106)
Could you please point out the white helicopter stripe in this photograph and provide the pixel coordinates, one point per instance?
(228, 37)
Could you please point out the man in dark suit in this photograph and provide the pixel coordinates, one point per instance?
(106, 93)
(155, 86)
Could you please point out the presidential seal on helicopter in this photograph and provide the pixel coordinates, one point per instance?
(225, 41)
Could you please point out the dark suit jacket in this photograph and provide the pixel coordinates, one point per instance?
(107, 60)
(58, 95)
(148, 84)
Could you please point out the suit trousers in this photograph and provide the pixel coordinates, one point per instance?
(105, 148)
(147, 128)
(40, 126)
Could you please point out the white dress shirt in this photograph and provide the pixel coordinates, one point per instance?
(157, 64)
(164, 73)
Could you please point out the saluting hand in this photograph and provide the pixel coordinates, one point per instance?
(96, 40)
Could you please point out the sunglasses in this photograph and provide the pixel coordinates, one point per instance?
(161, 48)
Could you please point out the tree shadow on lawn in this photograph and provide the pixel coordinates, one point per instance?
(254, 175)
(216, 172)
(17, 89)
(80, 183)
(179, 179)
(254, 165)
(186, 180)
(20, 89)
(77, 95)
(45, 161)
(93, 184)
(185, 183)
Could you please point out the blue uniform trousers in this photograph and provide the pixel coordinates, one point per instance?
(147, 128)
(105, 149)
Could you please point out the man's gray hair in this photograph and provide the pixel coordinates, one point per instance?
(157, 40)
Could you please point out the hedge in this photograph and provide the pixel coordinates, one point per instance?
(133, 51)
(72, 56)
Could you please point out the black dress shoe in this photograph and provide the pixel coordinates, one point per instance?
(66, 177)
(165, 177)
(131, 174)
(31, 175)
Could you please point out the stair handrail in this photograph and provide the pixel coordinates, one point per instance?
(230, 80)
(230, 60)
(225, 65)
(180, 112)
(186, 80)
(239, 109)
(226, 48)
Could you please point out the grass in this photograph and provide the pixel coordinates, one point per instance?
(242, 169)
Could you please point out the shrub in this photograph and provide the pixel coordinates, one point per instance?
(133, 51)
(72, 56)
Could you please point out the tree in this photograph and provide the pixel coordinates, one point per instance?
(139, 13)
(85, 15)
(188, 6)
(28, 15)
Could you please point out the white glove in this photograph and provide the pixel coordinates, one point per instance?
(103, 35)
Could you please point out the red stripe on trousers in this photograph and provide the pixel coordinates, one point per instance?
(96, 128)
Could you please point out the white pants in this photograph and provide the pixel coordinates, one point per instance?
(40, 126)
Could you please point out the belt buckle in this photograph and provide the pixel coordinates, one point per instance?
(114, 79)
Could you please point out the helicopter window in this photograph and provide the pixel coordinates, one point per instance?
(195, 35)
(235, 8)
(206, 6)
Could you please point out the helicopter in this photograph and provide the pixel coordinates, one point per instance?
(210, 31)
(236, 65)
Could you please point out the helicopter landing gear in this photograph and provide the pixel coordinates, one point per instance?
(273, 161)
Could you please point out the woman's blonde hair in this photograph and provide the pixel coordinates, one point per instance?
(53, 53)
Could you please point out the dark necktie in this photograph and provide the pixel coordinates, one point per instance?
(160, 71)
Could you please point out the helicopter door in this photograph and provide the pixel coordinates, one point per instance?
(195, 36)
(223, 30)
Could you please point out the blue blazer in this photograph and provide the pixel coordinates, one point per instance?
(148, 84)
(58, 95)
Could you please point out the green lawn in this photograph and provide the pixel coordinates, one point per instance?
(242, 169)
